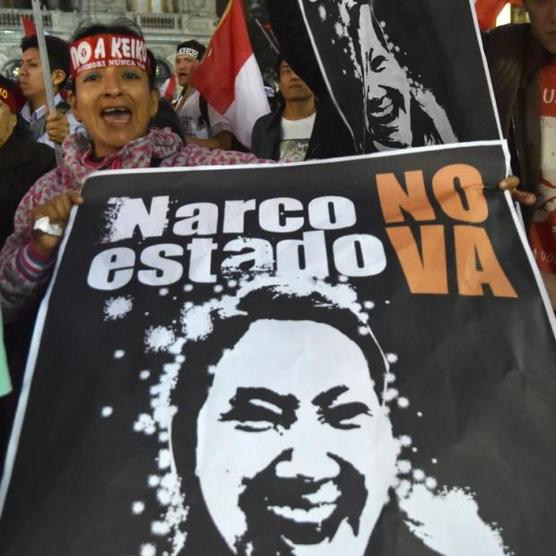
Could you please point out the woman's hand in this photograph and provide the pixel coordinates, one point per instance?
(57, 211)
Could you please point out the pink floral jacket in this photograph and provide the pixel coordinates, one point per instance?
(23, 271)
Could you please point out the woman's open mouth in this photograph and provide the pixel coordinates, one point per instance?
(119, 115)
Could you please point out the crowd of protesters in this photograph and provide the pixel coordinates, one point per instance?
(112, 118)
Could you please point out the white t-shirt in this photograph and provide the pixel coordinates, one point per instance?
(189, 114)
(295, 138)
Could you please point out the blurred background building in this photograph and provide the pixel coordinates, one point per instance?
(164, 22)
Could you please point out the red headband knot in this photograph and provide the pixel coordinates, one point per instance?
(106, 51)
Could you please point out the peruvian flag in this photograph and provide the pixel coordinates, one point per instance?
(28, 26)
(229, 77)
(168, 88)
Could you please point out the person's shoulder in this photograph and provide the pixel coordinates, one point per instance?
(513, 35)
(269, 120)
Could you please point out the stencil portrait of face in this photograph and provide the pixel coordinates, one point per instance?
(386, 94)
(296, 453)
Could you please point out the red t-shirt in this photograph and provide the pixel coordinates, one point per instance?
(542, 234)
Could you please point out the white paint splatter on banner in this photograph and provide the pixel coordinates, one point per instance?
(116, 308)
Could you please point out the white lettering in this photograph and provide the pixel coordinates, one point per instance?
(359, 255)
(234, 215)
(163, 271)
(306, 256)
(200, 262)
(116, 45)
(273, 215)
(331, 213)
(255, 255)
(111, 269)
(100, 51)
(198, 219)
(133, 214)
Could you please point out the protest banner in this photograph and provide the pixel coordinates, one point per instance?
(398, 74)
(341, 357)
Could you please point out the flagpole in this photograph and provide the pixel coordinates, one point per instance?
(267, 36)
(47, 74)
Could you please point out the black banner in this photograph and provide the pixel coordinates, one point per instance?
(408, 73)
(345, 357)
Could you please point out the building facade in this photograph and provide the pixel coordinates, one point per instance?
(164, 22)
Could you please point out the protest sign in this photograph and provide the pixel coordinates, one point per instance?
(398, 74)
(341, 357)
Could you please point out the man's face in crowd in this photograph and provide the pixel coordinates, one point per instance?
(30, 74)
(542, 14)
(185, 68)
(291, 86)
(115, 105)
(386, 88)
(295, 449)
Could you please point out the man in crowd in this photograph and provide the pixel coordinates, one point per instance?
(45, 128)
(284, 134)
(523, 68)
(202, 124)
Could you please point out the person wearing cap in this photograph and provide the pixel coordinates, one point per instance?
(50, 129)
(115, 99)
(202, 124)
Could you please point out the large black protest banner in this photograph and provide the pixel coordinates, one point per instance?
(346, 357)
(399, 73)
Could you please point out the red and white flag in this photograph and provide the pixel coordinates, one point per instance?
(28, 25)
(229, 77)
(489, 10)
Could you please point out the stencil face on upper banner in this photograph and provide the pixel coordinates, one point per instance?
(400, 74)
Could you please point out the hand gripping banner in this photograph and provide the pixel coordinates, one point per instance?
(342, 357)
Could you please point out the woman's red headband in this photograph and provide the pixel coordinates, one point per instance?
(105, 51)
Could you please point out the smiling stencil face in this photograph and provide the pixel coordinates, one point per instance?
(386, 87)
(115, 105)
(293, 441)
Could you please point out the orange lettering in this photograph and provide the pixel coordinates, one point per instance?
(477, 265)
(426, 272)
(394, 198)
(471, 181)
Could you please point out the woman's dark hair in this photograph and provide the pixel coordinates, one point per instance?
(120, 26)
(167, 117)
(57, 49)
